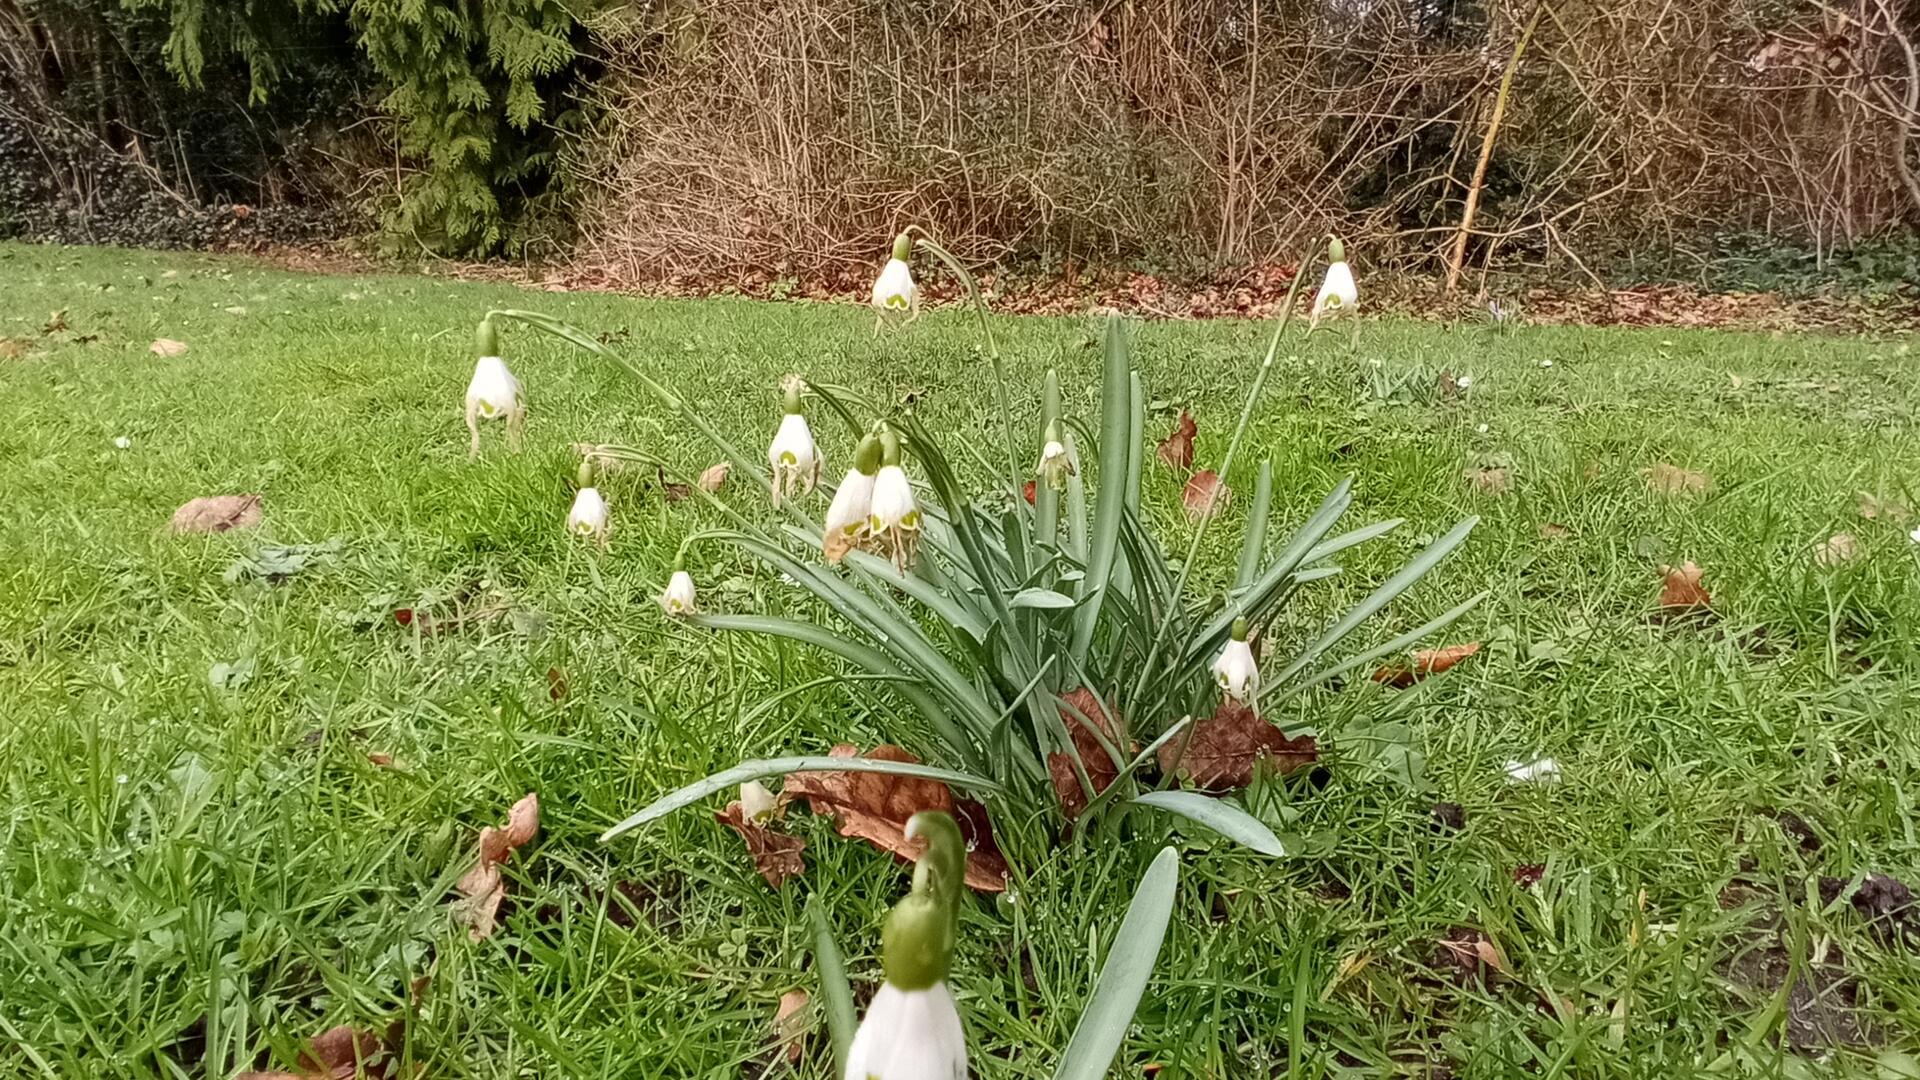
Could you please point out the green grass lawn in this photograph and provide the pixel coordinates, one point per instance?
(200, 866)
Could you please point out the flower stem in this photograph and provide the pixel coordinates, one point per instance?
(1149, 664)
(993, 347)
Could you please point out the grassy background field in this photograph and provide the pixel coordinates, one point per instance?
(200, 866)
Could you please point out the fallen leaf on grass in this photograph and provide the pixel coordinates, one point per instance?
(216, 513)
(1222, 751)
(1494, 480)
(1527, 875)
(1425, 662)
(167, 347)
(1553, 531)
(385, 761)
(1674, 480)
(1094, 758)
(875, 807)
(1177, 449)
(12, 348)
(556, 685)
(484, 886)
(714, 476)
(790, 1024)
(673, 492)
(1876, 508)
(1681, 591)
(1470, 954)
(338, 1053)
(1205, 495)
(1836, 550)
(55, 323)
(775, 854)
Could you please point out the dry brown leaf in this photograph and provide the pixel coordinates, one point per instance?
(385, 761)
(483, 886)
(1680, 588)
(216, 513)
(1205, 495)
(1674, 480)
(167, 347)
(1550, 530)
(790, 1024)
(55, 323)
(1876, 508)
(556, 685)
(1470, 953)
(1177, 449)
(338, 1053)
(714, 476)
(673, 492)
(12, 348)
(1222, 751)
(1496, 480)
(1101, 770)
(1836, 550)
(1425, 662)
(775, 854)
(875, 807)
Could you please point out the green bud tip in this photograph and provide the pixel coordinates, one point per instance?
(889, 447)
(1055, 431)
(866, 456)
(487, 338)
(1336, 251)
(916, 944)
(1240, 628)
(584, 476)
(790, 393)
(902, 247)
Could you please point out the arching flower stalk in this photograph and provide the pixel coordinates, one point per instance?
(912, 1030)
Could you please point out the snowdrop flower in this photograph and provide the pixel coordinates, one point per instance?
(912, 1030)
(677, 599)
(588, 517)
(893, 291)
(847, 514)
(893, 518)
(1235, 670)
(1055, 466)
(1337, 290)
(794, 456)
(1538, 771)
(493, 392)
(756, 802)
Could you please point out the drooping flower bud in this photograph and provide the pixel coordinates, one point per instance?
(795, 458)
(912, 1030)
(756, 802)
(846, 522)
(894, 518)
(493, 393)
(894, 291)
(1235, 670)
(589, 517)
(1338, 292)
(1055, 466)
(677, 598)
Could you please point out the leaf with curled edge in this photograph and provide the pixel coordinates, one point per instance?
(1177, 448)
(484, 887)
(1205, 494)
(1425, 662)
(875, 807)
